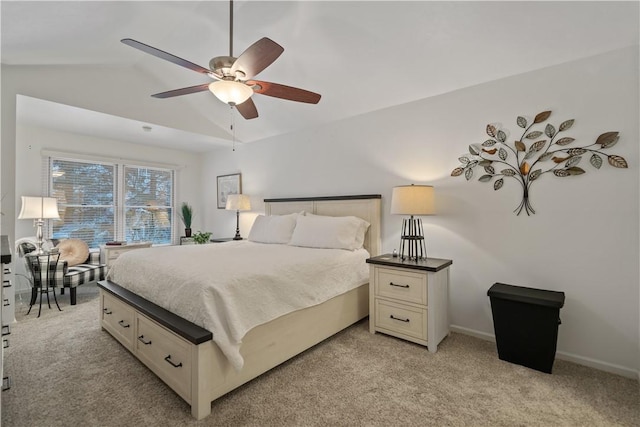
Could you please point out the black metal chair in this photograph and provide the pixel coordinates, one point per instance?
(43, 272)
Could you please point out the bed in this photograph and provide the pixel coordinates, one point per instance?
(186, 357)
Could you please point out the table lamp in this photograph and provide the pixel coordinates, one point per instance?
(412, 200)
(39, 209)
(238, 202)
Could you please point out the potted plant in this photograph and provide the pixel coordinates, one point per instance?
(186, 215)
(201, 237)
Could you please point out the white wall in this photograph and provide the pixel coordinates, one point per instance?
(583, 239)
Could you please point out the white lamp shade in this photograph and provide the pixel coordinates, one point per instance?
(238, 202)
(413, 200)
(231, 92)
(39, 208)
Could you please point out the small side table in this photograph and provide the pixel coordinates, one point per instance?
(409, 299)
(221, 239)
(109, 253)
(43, 272)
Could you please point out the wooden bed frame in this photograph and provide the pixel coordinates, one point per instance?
(183, 354)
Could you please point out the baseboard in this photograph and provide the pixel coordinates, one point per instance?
(570, 357)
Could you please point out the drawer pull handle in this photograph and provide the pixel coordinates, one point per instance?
(168, 359)
(6, 302)
(399, 318)
(7, 270)
(6, 284)
(399, 286)
(141, 339)
(124, 325)
(107, 311)
(5, 343)
(6, 330)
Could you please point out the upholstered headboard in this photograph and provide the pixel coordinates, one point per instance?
(367, 207)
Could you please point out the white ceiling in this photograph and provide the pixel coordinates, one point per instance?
(361, 56)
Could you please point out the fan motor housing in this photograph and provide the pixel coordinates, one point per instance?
(221, 65)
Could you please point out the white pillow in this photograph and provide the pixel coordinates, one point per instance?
(74, 251)
(273, 229)
(331, 232)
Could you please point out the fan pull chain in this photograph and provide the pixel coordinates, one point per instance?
(233, 128)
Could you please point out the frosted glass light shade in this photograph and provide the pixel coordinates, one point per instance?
(230, 92)
(413, 200)
(39, 208)
(238, 202)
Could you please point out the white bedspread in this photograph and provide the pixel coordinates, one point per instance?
(230, 288)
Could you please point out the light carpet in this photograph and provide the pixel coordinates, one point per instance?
(66, 371)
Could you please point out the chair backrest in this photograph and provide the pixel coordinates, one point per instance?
(43, 269)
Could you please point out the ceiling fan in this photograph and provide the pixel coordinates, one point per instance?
(234, 83)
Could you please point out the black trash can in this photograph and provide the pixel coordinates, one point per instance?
(526, 322)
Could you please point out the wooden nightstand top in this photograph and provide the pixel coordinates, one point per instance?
(430, 264)
(222, 239)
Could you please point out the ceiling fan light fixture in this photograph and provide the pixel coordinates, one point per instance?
(231, 92)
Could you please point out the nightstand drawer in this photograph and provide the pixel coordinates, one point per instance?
(401, 319)
(402, 285)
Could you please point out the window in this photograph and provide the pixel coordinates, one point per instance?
(102, 201)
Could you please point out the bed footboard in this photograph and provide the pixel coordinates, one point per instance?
(185, 357)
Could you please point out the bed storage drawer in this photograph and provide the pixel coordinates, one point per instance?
(166, 354)
(117, 318)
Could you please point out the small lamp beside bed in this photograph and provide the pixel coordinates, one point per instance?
(238, 202)
(412, 200)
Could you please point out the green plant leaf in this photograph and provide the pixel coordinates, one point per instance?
(485, 178)
(490, 170)
(473, 150)
(491, 130)
(596, 161)
(565, 141)
(522, 122)
(617, 161)
(520, 146)
(502, 153)
(468, 174)
(549, 130)
(533, 135)
(573, 161)
(508, 172)
(498, 184)
(566, 125)
(541, 117)
(484, 162)
(606, 138)
(501, 136)
(489, 143)
(457, 172)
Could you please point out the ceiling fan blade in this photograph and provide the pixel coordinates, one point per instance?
(165, 55)
(257, 57)
(183, 91)
(248, 109)
(285, 92)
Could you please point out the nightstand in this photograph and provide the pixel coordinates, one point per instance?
(109, 253)
(222, 239)
(409, 299)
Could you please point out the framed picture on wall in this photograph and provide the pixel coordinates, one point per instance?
(228, 184)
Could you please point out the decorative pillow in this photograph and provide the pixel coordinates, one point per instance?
(330, 232)
(273, 229)
(74, 251)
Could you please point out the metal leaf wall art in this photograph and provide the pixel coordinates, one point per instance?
(530, 157)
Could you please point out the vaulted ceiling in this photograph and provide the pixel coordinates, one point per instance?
(361, 56)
